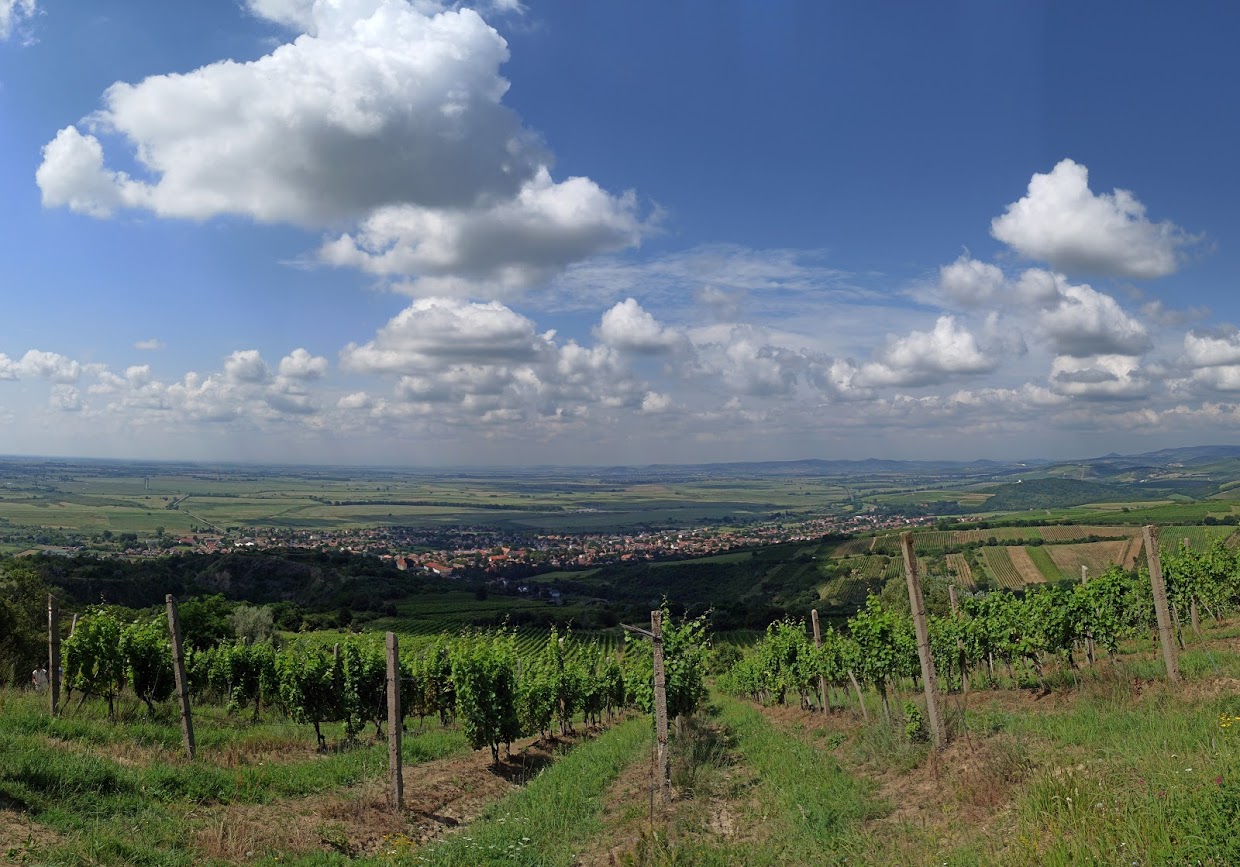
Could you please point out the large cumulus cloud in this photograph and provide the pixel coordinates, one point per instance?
(384, 118)
(1062, 222)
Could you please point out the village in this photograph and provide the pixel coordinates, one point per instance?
(481, 550)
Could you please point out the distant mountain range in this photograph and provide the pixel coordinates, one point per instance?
(1104, 466)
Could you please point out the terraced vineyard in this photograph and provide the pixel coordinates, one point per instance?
(1081, 532)
(1200, 538)
(853, 547)
(958, 566)
(868, 568)
(999, 564)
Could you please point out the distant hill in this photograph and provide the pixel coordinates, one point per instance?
(1057, 494)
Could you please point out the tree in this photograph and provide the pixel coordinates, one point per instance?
(252, 624)
(23, 621)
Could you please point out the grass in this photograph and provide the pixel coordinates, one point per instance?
(1042, 559)
(546, 822)
(1157, 780)
(123, 794)
(797, 808)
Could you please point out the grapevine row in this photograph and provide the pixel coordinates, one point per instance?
(479, 679)
(878, 648)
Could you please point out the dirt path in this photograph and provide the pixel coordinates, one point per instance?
(714, 803)
(440, 796)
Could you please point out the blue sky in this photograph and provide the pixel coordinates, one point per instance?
(394, 231)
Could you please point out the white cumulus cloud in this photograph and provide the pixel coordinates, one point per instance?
(927, 357)
(1078, 320)
(300, 364)
(246, 366)
(970, 282)
(384, 118)
(1103, 377)
(434, 331)
(630, 327)
(1209, 350)
(505, 246)
(1061, 221)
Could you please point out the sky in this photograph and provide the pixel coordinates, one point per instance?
(402, 232)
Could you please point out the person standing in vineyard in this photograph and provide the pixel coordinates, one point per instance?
(38, 678)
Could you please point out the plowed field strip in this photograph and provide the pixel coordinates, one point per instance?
(1024, 565)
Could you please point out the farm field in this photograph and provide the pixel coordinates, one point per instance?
(1094, 556)
(90, 497)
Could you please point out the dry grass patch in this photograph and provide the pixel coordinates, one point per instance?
(439, 796)
(21, 838)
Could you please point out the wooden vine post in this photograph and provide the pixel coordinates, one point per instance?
(663, 759)
(917, 603)
(178, 668)
(822, 681)
(53, 653)
(395, 773)
(852, 676)
(1161, 610)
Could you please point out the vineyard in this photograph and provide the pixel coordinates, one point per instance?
(1131, 773)
(538, 741)
(1000, 567)
(941, 541)
(958, 567)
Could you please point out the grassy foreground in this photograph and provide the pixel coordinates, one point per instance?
(1123, 769)
(93, 792)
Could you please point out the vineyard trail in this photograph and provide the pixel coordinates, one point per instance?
(440, 796)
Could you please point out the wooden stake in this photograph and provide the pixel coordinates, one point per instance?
(865, 714)
(178, 668)
(394, 719)
(663, 766)
(917, 603)
(53, 652)
(822, 681)
(1161, 609)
